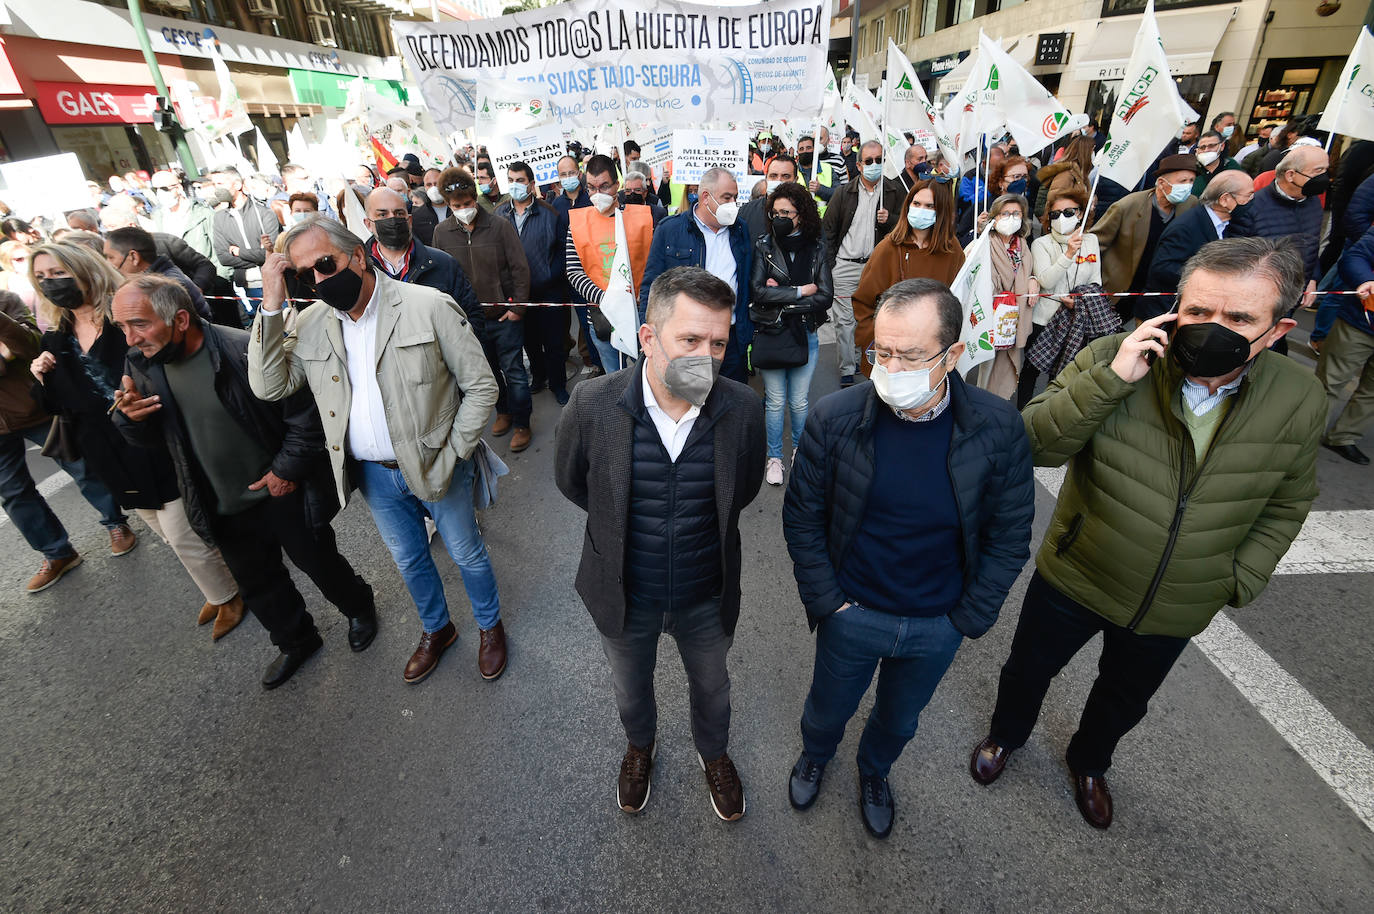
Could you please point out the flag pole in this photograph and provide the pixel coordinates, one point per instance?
(977, 166)
(1330, 135)
(1092, 195)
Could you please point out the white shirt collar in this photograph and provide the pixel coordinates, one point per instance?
(371, 308)
(1202, 401)
(1217, 222)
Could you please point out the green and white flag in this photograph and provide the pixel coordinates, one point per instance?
(973, 287)
(1351, 109)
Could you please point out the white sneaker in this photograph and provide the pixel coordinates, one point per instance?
(773, 473)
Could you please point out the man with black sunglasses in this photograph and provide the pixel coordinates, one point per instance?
(855, 221)
(404, 392)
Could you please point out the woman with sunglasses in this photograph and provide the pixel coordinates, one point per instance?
(78, 370)
(921, 245)
(1065, 257)
(790, 291)
(1013, 286)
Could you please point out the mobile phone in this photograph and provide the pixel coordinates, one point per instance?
(1151, 356)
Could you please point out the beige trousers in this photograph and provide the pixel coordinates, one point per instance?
(201, 560)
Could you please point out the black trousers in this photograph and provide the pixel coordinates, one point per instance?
(1131, 669)
(252, 543)
(546, 333)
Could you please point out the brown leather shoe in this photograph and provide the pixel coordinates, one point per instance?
(1094, 800)
(520, 440)
(122, 540)
(727, 793)
(227, 618)
(636, 770)
(987, 761)
(501, 425)
(426, 656)
(207, 613)
(50, 572)
(491, 651)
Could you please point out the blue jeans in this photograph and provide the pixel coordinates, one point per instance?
(27, 508)
(400, 519)
(504, 345)
(702, 644)
(913, 653)
(611, 358)
(792, 385)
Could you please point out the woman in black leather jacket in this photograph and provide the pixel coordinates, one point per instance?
(790, 292)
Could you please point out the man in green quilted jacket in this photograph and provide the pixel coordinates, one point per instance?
(1191, 458)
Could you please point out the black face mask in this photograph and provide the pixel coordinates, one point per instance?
(783, 226)
(634, 199)
(341, 290)
(1209, 350)
(1317, 186)
(62, 292)
(393, 232)
(170, 353)
(805, 159)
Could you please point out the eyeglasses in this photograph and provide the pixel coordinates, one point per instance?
(1069, 211)
(325, 266)
(908, 363)
(786, 214)
(873, 161)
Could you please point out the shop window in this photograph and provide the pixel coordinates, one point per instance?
(1196, 90)
(1132, 7)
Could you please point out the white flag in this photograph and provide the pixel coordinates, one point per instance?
(973, 287)
(231, 118)
(618, 304)
(296, 146)
(1351, 109)
(906, 107)
(267, 159)
(1031, 114)
(862, 111)
(1148, 110)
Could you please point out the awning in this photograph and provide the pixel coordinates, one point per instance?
(1190, 39)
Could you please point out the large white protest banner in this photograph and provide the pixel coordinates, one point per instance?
(648, 61)
(1351, 108)
(538, 147)
(1148, 112)
(694, 151)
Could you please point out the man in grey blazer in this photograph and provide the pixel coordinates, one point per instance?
(663, 456)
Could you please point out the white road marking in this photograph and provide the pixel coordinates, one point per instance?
(47, 488)
(1327, 543)
(1331, 542)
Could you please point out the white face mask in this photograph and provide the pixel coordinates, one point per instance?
(1008, 225)
(466, 215)
(1207, 158)
(726, 213)
(434, 195)
(774, 185)
(604, 203)
(903, 389)
(1064, 224)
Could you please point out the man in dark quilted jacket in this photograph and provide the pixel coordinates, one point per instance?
(1191, 454)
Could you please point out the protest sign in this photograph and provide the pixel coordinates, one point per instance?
(539, 147)
(694, 151)
(45, 186)
(655, 145)
(655, 61)
(506, 106)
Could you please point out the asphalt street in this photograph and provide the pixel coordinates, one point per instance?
(145, 770)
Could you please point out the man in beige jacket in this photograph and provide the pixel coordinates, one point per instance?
(404, 392)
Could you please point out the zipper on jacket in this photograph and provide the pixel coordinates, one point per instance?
(1185, 488)
(671, 516)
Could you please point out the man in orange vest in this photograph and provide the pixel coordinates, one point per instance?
(590, 247)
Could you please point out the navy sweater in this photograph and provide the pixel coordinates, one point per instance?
(905, 558)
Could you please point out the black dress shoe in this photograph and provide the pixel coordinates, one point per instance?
(361, 631)
(1094, 800)
(1349, 452)
(988, 760)
(805, 783)
(286, 664)
(876, 805)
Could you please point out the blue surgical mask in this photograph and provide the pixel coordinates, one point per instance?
(1179, 192)
(518, 192)
(571, 183)
(922, 169)
(484, 189)
(919, 217)
(873, 172)
(1017, 187)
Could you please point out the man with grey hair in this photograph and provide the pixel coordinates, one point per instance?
(1184, 236)
(404, 392)
(1291, 206)
(908, 518)
(663, 457)
(711, 236)
(1191, 461)
(636, 191)
(252, 475)
(857, 218)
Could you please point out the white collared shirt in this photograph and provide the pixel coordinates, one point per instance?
(1201, 401)
(368, 436)
(672, 433)
(1217, 223)
(720, 260)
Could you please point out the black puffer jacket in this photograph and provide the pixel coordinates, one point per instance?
(773, 304)
(672, 544)
(832, 477)
(1272, 215)
(290, 429)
